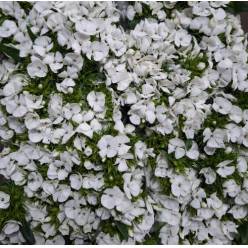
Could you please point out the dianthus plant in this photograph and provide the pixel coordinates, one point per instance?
(123, 123)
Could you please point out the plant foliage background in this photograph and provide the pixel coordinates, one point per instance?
(123, 123)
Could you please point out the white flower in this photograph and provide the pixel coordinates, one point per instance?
(96, 101)
(205, 213)
(225, 170)
(180, 186)
(66, 86)
(55, 240)
(176, 145)
(231, 188)
(130, 12)
(215, 139)
(62, 193)
(71, 209)
(49, 187)
(161, 167)
(14, 85)
(74, 63)
(37, 69)
(67, 155)
(222, 105)
(55, 21)
(198, 197)
(238, 212)
(234, 132)
(85, 129)
(7, 28)
(11, 227)
(201, 9)
(193, 152)
(209, 174)
(229, 229)
(4, 200)
(182, 38)
(110, 197)
(88, 27)
(99, 51)
(141, 150)
(95, 182)
(242, 197)
(42, 45)
(116, 42)
(168, 235)
(219, 14)
(132, 186)
(105, 144)
(236, 114)
(35, 136)
(48, 229)
(32, 121)
(54, 60)
(241, 164)
(119, 75)
(35, 181)
(59, 169)
(214, 202)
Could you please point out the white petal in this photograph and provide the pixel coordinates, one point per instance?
(35, 136)
(85, 129)
(107, 201)
(20, 111)
(76, 181)
(179, 153)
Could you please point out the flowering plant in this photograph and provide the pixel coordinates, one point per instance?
(123, 123)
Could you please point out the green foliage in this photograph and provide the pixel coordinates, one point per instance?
(222, 38)
(216, 120)
(16, 210)
(165, 185)
(108, 226)
(53, 211)
(10, 52)
(196, 34)
(42, 169)
(153, 237)
(192, 211)
(191, 63)
(212, 161)
(242, 236)
(236, 7)
(4, 17)
(146, 13)
(27, 233)
(26, 6)
(31, 34)
(123, 230)
(112, 177)
(166, 67)
(241, 99)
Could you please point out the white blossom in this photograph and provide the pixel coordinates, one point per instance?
(4, 200)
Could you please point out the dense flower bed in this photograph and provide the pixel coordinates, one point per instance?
(123, 123)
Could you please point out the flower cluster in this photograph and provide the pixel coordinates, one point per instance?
(122, 123)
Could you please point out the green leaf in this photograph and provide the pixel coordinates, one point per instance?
(188, 144)
(27, 233)
(151, 241)
(237, 7)
(10, 52)
(31, 34)
(123, 229)
(27, 6)
(243, 233)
